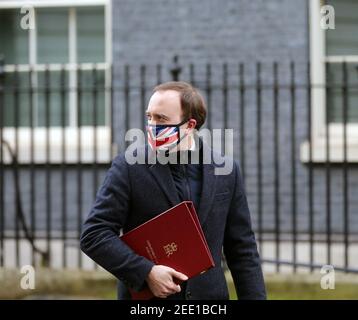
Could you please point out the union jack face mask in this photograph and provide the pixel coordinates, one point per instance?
(164, 136)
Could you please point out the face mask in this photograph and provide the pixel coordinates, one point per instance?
(164, 136)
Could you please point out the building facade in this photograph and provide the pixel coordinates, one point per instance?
(270, 70)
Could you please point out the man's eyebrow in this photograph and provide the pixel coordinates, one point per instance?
(162, 115)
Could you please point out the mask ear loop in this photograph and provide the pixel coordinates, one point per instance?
(169, 125)
(180, 138)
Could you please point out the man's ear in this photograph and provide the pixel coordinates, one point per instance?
(191, 123)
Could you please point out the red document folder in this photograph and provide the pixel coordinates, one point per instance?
(175, 239)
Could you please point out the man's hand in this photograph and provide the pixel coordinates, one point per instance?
(160, 281)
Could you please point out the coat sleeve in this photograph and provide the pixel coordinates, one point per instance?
(100, 231)
(240, 246)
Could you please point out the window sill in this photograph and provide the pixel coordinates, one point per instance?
(336, 146)
(56, 145)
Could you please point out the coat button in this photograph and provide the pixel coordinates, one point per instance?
(188, 295)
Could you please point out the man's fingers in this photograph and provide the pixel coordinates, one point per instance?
(176, 288)
(173, 288)
(179, 275)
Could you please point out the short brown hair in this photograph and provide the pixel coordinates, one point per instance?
(192, 102)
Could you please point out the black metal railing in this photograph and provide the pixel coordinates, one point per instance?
(58, 127)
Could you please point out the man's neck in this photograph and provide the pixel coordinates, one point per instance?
(189, 144)
(192, 145)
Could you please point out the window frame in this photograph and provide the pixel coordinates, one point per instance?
(22, 140)
(319, 58)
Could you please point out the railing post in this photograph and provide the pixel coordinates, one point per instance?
(2, 212)
(2, 70)
(175, 69)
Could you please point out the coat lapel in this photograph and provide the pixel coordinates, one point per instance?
(207, 192)
(163, 176)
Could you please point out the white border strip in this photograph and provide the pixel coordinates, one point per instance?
(55, 67)
(52, 3)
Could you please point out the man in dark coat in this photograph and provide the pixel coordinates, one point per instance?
(134, 193)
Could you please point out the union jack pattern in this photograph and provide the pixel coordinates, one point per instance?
(162, 136)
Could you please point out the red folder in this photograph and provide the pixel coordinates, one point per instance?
(175, 239)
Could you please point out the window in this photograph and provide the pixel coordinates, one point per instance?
(334, 63)
(342, 45)
(69, 48)
(13, 39)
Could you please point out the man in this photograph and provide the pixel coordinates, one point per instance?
(134, 193)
